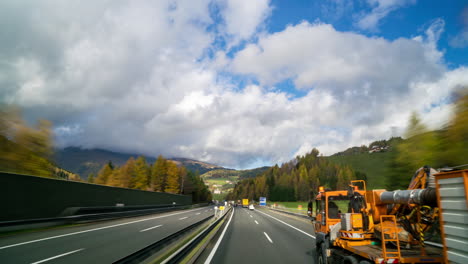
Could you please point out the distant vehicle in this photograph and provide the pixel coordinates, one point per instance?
(245, 203)
(251, 207)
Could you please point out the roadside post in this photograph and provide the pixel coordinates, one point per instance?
(216, 214)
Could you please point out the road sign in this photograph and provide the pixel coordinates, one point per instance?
(263, 201)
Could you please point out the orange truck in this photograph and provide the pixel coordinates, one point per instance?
(378, 226)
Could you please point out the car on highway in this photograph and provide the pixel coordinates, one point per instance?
(251, 207)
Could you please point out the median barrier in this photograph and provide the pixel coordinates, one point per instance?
(27, 197)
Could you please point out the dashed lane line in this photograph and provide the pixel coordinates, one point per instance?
(58, 256)
(269, 239)
(150, 228)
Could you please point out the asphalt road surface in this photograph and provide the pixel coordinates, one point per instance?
(103, 242)
(262, 236)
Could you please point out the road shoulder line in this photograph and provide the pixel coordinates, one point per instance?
(94, 229)
(213, 251)
(58, 256)
(281, 221)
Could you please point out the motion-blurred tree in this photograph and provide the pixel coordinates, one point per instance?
(91, 178)
(24, 149)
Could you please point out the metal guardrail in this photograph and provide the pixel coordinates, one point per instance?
(42, 222)
(142, 254)
(182, 252)
(290, 213)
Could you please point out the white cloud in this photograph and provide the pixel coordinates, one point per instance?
(244, 17)
(134, 77)
(380, 9)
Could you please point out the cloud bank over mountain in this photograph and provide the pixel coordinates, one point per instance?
(205, 79)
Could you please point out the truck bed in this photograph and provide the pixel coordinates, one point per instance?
(433, 254)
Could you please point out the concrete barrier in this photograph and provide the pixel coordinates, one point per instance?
(25, 197)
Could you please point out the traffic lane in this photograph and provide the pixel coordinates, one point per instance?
(291, 237)
(299, 222)
(40, 234)
(104, 245)
(244, 242)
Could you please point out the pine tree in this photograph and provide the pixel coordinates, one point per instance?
(91, 178)
(115, 178)
(159, 174)
(173, 178)
(142, 174)
(128, 174)
(104, 173)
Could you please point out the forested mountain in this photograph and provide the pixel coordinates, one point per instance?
(365, 160)
(161, 176)
(295, 180)
(90, 161)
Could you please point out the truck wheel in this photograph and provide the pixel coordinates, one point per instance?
(322, 254)
(350, 260)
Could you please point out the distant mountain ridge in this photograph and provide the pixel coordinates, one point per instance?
(87, 161)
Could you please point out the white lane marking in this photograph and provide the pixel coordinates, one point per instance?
(305, 233)
(256, 222)
(213, 251)
(197, 213)
(58, 256)
(251, 216)
(182, 218)
(95, 229)
(150, 228)
(269, 239)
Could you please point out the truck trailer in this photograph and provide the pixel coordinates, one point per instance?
(379, 226)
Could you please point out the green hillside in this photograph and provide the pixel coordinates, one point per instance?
(374, 165)
(195, 165)
(224, 180)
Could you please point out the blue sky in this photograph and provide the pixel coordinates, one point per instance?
(238, 83)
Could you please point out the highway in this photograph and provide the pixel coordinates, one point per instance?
(258, 236)
(101, 242)
(262, 236)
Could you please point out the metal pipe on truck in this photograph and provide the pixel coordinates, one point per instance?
(418, 196)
